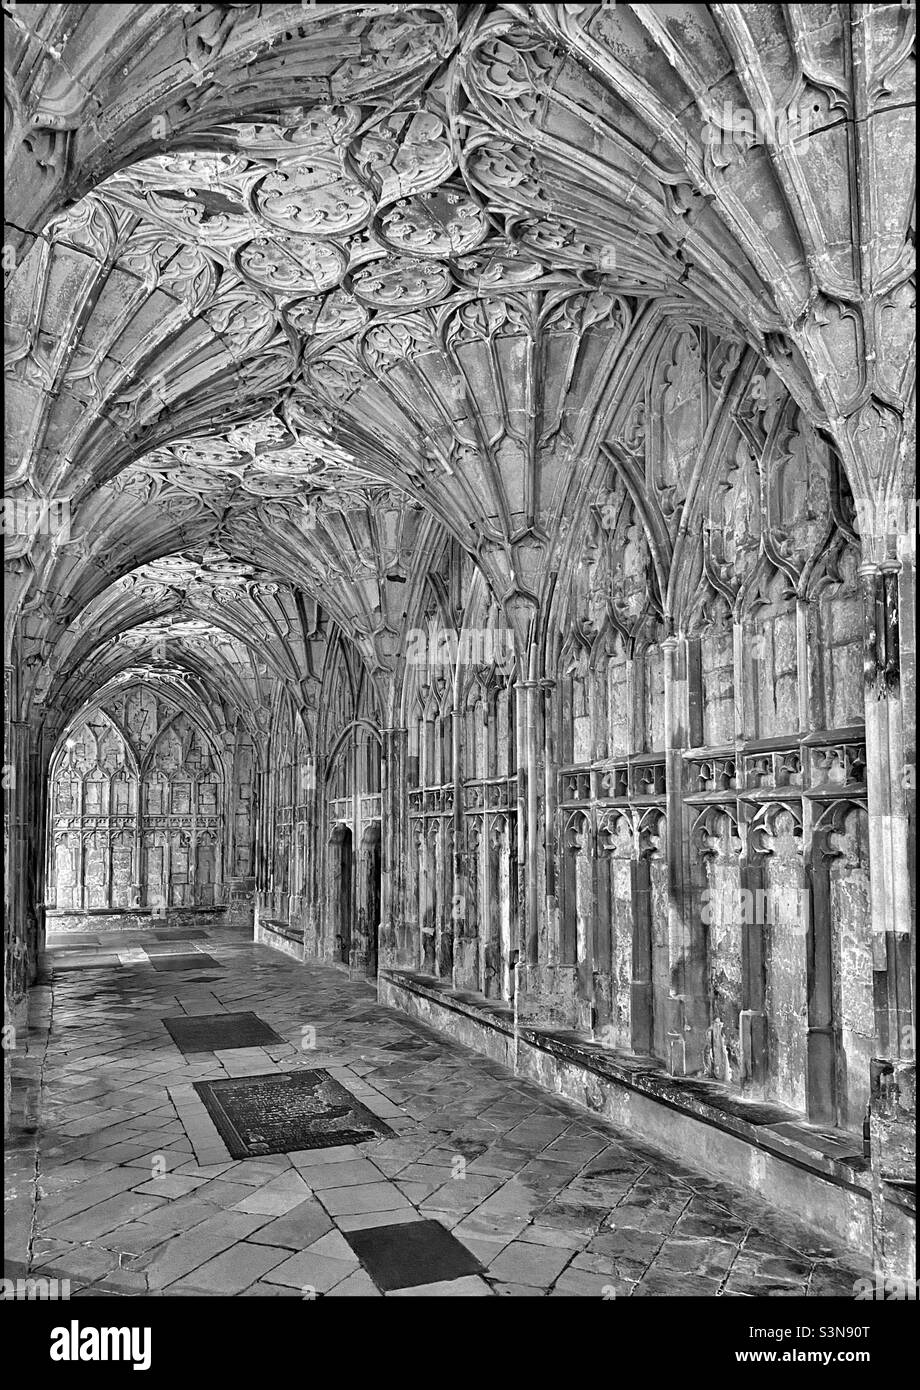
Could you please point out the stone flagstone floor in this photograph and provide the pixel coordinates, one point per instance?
(117, 1180)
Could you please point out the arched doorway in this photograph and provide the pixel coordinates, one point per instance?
(353, 809)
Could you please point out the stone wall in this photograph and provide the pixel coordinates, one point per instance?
(459, 506)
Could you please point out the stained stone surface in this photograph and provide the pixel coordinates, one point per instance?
(135, 1192)
(190, 962)
(281, 1114)
(482, 433)
(217, 1032)
(403, 1254)
(162, 947)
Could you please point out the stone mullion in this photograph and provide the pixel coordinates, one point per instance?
(888, 820)
(39, 824)
(491, 974)
(137, 886)
(312, 818)
(356, 947)
(641, 987)
(43, 828)
(601, 946)
(468, 973)
(527, 728)
(822, 1036)
(568, 934)
(803, 684)
(168, 855)
(142, 877)
(508, 898)
(394, 850)
(79, 867)
(425, 898)
(890, 771)
(458, 866)
(415, 835)
(482, 891)
(521, 889)
(753, 1020)
(550, 920)
(434, 865)
(585, 912)
(260, 829)
(315, 839)
(444, 858)
(228, 840)
(19, 878)
(109, 837)
(689, 1002)
(193, 843)
(269, 834)
(49, 870)
(906, 773)
(306, 827)
(821, 1039)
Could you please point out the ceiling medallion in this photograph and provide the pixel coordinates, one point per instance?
(442, 223)
(291, 264)
(338, 312)
(398, 282)
(315, 199)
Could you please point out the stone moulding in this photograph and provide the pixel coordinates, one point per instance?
(770, 1152)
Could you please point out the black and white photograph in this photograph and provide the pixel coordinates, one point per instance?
(459, 655)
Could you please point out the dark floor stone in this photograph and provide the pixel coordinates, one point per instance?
(169, 948)
(198, 961)
(218, 1032)
(407, 1254)
(89, 963)
(278, 1114)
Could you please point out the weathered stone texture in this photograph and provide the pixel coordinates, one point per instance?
(458, 508)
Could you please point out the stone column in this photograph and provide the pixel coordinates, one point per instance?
(752, 1021)
(464, 916)
(20, 915)
(23, 917)
(530, 772)
(689, 1003)
(399, 946)
(262, 848)
(891, 779)
(889, 775)
(548, 946)
(312, 887)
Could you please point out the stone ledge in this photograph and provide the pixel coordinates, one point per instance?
(281, 936)
(818, 1172)
(279, 928)
(64, 921)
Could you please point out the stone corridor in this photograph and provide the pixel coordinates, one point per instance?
(459, 532)
(119, 1182)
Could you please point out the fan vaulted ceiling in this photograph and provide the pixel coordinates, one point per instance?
(300, 293)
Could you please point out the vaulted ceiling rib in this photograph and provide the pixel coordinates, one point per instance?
(300, 290)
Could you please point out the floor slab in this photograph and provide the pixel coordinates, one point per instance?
(478, 1183)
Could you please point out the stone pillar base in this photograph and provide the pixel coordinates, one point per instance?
(892, 1140)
